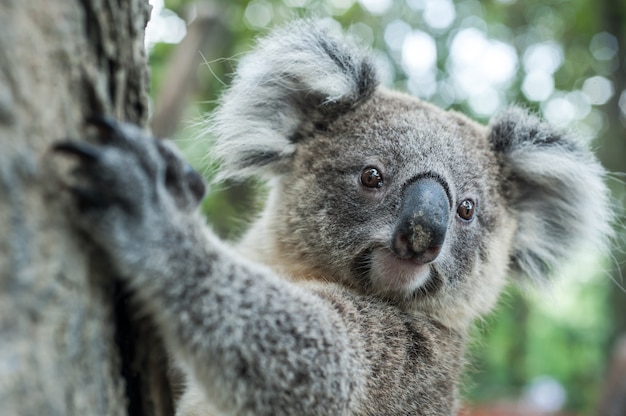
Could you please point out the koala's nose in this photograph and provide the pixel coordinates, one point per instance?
(423, 221)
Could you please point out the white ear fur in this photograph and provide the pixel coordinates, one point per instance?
(298, 78)
(556, 190)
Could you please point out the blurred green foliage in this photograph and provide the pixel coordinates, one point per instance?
(565, 334)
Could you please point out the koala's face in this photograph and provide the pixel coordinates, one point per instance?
(394, 197)
(398, 199)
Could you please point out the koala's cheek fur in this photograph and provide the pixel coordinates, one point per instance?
(329, 247)
(474, 269)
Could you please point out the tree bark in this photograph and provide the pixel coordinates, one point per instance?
(68, 344)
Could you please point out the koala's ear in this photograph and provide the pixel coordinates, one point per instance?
(555, 188)
(296, 80)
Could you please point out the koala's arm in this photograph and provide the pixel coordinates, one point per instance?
(255, 343)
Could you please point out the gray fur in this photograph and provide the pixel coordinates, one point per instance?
(311, 313)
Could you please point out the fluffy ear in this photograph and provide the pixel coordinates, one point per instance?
(296, 80)
(554, 186)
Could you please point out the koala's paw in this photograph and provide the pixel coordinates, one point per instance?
(127, 185)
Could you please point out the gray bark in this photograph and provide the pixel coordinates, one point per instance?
(67, 342)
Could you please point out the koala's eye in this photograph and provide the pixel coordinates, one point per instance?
(371, 178)
(466, 210)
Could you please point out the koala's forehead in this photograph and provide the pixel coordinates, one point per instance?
(400, 130)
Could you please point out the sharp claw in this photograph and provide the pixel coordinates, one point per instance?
(87, 198)
(107, 126)
(195, 183)
(83, 150)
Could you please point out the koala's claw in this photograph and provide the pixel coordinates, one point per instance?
(90, 156)
(195, 183)
(82, 150)
(122, 176)
(107, 127)
(87, 198)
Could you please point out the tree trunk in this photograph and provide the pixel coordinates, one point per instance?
(68, 344)
(614, 145)
(613, 399)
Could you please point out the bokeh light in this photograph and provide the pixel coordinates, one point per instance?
(599, 89)
(164, 26)
(258, 14)
(376, 6)
(481, 69)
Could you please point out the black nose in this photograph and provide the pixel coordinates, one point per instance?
(423, 221)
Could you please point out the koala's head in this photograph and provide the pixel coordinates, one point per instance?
(392, 196)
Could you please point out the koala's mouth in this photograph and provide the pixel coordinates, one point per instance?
(391, 274)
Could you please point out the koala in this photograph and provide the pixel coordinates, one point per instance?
(390, 225)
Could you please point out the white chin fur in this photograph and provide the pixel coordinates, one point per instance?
(391, 274)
